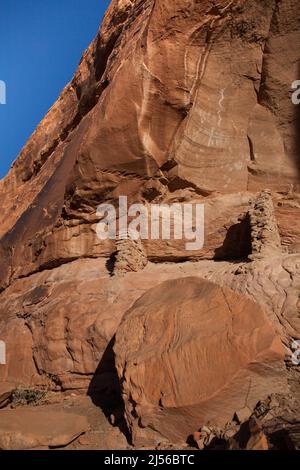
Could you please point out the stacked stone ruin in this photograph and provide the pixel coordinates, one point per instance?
(130, 256)
(265, 237)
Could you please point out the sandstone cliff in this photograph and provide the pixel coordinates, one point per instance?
(174, 101)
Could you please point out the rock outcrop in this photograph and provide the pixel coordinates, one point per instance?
(34, 428)
(160, 106)
(173, 102)
(6, 391)
(189, 352)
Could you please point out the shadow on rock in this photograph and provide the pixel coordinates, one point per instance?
(237, 243)
(105, 391)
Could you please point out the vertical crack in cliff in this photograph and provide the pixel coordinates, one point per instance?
(259, 89)
(144, 123)
(262, 83)
(251, 149)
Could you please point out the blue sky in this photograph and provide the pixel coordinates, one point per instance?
(41, 43)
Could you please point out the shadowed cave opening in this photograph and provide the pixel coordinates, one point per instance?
(237, 243)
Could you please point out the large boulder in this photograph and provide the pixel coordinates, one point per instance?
(190, 352)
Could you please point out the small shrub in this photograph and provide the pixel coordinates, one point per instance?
(24, 397)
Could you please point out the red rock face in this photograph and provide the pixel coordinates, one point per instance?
(189, 352)
(170, 97)
(174, 101)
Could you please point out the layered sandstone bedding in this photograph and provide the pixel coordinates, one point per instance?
(173, 102)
